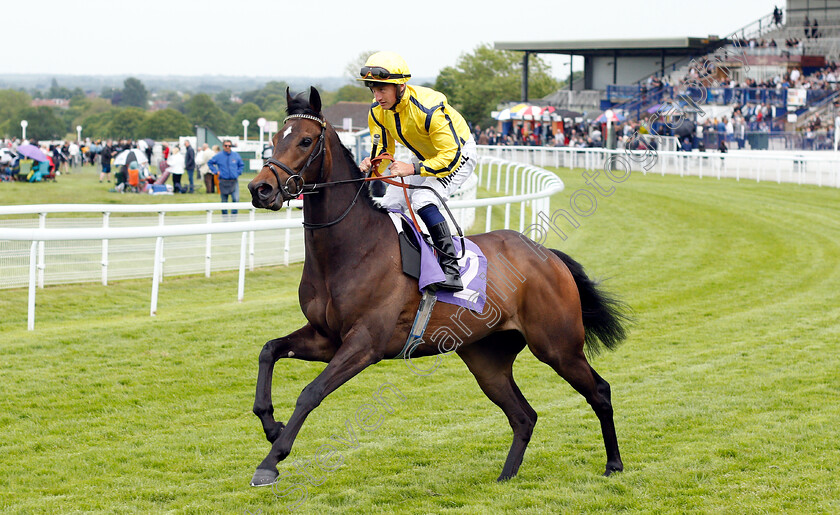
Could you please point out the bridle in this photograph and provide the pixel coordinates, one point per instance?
(295, 179)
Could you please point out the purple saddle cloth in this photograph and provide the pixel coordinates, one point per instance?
(473, 266)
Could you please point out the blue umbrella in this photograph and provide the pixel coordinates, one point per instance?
(610, 116)
(32, 152)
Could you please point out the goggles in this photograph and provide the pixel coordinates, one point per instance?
(380, 73)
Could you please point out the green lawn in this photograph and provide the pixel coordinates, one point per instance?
(725, 395)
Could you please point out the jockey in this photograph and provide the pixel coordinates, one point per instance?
(444, 150)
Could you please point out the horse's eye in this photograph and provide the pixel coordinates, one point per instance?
(305, 142)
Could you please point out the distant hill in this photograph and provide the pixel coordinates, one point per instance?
(197, 84)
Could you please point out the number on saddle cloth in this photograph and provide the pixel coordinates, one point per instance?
(423, 265)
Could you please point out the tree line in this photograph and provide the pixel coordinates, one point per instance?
(475, 86)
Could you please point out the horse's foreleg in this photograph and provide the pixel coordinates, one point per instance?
(354, 355)
(306, 344)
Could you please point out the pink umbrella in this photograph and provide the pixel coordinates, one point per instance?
(32, 152)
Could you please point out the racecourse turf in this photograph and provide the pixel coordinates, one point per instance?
(726, 393)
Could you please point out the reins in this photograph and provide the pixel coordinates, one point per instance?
(374, 169)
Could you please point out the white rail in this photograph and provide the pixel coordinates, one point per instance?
(524, 184)
(818, 168)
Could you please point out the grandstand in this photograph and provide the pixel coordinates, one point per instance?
(771, 84)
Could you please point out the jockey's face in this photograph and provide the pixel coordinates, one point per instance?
(385, 94)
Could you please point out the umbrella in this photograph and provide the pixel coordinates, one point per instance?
(32, 152)
(610, 116)
(127, 156)
(532, 111)
(150, 142)
(503, 115)
(7, 156)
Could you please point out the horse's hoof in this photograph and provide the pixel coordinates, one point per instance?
(264, 477)
(613, 468)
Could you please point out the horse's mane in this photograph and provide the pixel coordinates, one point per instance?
(299, 104)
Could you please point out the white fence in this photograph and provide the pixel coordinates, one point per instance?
(114, 247)
(815, 168)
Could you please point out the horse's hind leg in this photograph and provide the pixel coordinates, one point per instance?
(305, 344)
(490, 360)
(572, 366)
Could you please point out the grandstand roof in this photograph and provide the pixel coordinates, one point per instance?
(624, 47)
(627, 55)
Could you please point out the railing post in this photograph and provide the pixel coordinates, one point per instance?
(287, 245)
(156, 275)
(42, 224)
(33, 256)
(161, 216)
(488, 219)
(105, 217)
(522, 204)
(251, 241)
(208, 245)
(241, 291)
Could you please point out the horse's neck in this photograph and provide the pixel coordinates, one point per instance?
(354, 236)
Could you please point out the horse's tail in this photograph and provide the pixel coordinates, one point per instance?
(604, 315)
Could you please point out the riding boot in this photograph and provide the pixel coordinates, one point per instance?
(442, 239)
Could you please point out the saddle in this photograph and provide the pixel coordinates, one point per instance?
(410, 249)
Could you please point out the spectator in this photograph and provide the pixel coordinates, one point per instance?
(106, 154)
(144, 147)
(229, 166)
(176, 168)
(189, 163)
(64, 156)
(201, 158)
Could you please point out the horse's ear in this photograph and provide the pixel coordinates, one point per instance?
(288, 96)
(314, 99)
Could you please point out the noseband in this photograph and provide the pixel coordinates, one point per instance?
(295, 179)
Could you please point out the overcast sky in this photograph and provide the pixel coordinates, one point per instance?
(319, 38)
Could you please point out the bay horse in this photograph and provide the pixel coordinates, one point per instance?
(360, 306)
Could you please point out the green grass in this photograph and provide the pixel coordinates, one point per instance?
(726, 393)
(82, 186)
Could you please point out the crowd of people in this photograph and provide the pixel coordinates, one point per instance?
(57, 160)
(133, 174)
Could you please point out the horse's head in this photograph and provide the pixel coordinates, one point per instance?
(298, 145)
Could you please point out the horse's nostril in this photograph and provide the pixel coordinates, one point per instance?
(264, 191)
